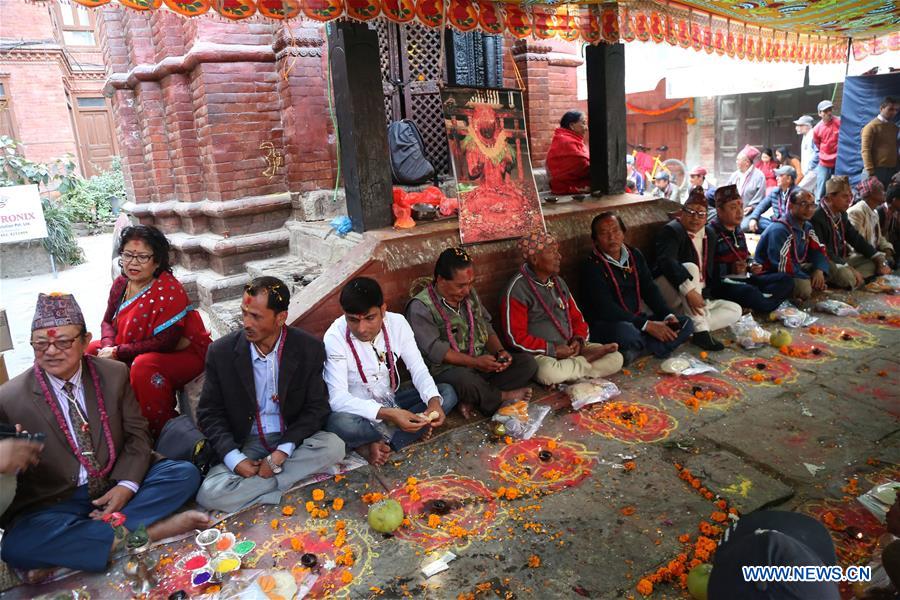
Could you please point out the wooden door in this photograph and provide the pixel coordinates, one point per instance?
(94, 130)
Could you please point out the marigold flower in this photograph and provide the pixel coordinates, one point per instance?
(287, 511)
(318, 495)
(274, 524)
(718, 517)
(722, 504)
(310, 506)
(551, 445)
(534, 561)
(296, 544)
(778, 381)
(684, 538)
(434, 521)
(338, 504)
(644, 587)
(627, 511)
(704, 355)
(339, 477)
(629, 466)
(512, 493)
(346, 577)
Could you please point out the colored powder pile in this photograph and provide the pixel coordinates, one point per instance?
(196, 562)
(244, 547)
(224, 543)
(201, 578)
(228, 564)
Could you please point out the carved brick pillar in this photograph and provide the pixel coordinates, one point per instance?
(547, 68)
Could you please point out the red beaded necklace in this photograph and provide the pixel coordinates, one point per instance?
(63, 426)
(724, 234)
(391, 364)
(637, 280)
(450, 337)
(275, 398)
(564, 302)
(800, 259)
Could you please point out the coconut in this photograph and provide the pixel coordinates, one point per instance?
(780, 338)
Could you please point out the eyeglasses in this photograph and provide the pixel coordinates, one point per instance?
(694, 213)
(806, 204)
(141, 259)
(60, 343)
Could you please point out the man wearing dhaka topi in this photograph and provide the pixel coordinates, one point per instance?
(96, 459)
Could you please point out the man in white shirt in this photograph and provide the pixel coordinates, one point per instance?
(750, 182)
(362, 349)
(804, 126)
(864, 218)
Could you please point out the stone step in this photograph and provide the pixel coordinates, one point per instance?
(318, 242)
(296, 272)
(224, 317)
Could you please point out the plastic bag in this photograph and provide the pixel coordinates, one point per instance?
(792, 316)
(836, 307)
(749, 334)
(521, 419)
(591, 391)
(685, 364)
(885, 284)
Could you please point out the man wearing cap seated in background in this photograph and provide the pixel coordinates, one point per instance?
(889, 217)
(825, 137)
(838, 235)
(774, 205)
(96, 458)
(685, 255)
(362, 348)
(664, 188)
(540, 316)
(750, 181)
(454, 333)
(864, 217)
(791, 247)
(617, 285)
(760, 291)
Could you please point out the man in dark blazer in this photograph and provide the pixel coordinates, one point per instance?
(264, 405)
(96, 458)
(685, 254)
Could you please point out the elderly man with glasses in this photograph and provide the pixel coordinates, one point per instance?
(685, 263)
(791, 246)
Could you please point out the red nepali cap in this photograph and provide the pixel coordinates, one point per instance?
(56, 310)
(867, 186)
(750, 152)
(534, 243)
(698, 171)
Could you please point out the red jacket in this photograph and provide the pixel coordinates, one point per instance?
(825, 137)
(568, 163)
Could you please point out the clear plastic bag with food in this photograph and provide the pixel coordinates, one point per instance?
(884, 284)
(749, 334)
(792, 316)
(591, 391)
(685, 364)
(836, 307)
(521, 419)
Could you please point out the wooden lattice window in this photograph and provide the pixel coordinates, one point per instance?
(75, 25)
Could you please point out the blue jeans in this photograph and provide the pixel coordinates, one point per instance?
(762, 223)
(358, 431)
(634, 343)
(63, 535)
(823, 174)
(749, 294)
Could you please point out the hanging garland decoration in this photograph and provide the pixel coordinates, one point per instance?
(654, 113)
(195, 8)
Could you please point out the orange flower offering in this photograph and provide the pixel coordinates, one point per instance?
(551, 445)
(704, 355)
(318, 495)
(534, 561)
(310, 506)
(684, 538)
(346, 577)
(644, 587)
(287, 511)
(629, 466)
(882, 373)
(434, 521)
(372, 497)
(851, 489)
(338, 478)
(273, 524)
(627, 511)
(296, 544)
(719, 517)
(625, 415)
(338, 504)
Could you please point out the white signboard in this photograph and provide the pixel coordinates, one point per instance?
(21, 214)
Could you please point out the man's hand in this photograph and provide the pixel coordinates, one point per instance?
(882, 268)
(756, 268)
(859, 278)
(17, 455)
(695, 302)
(265, 471)
(247, 468)
(817, 280)
(487, 363)
(564, 351)
(112, 501)
(740, 267)
(577, 345)
(748, 210)
(753, 226)
(504, 358)
(660, 331)
(405, 420)
(108, 352)
(434, 405)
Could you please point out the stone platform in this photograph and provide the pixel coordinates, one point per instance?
(582, 525)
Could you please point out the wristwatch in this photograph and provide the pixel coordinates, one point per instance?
(277, 469)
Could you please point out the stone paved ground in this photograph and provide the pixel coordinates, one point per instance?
(596, 527)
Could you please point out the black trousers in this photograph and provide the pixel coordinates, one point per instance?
(483, 389)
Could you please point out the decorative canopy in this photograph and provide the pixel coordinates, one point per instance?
(802, 31)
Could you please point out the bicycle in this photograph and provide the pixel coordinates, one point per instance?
(675, 168)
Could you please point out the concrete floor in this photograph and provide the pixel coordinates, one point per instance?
(596, 527)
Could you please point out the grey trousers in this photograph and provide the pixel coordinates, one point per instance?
(229, 492)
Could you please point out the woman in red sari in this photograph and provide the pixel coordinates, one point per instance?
(151, 325)
(568, 161)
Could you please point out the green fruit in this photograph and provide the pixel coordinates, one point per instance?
(385, 516)
(698, 581)
(780, 338)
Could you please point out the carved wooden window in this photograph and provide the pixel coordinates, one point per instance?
(75, 25)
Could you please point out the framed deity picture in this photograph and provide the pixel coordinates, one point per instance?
(486, 130)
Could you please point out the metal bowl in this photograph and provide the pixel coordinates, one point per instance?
(424, 212)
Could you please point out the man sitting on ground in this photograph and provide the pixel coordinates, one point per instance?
(838, 235)
(864, 217)
(96, 458)
(734, 277)
(791, 247)
(454, 333)
(264, 404)
(664, 188)
(362, 349)
(889, 215)
(616, 284)
(540, 316)
(684, 265)
(750, 181)
(774, 205)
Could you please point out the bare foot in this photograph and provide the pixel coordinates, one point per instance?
(177, 524)
(516, 395)
(466, 410)
(592, 353)
(376, 453)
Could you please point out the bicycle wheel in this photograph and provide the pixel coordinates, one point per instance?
(677, 170)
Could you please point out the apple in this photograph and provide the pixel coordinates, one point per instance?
(698, 581)
(385, 516)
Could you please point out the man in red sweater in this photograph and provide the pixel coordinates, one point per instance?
(825, 137)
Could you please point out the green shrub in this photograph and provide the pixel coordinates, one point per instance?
(91, 199)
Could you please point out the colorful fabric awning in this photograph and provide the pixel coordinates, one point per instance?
(801, 31)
